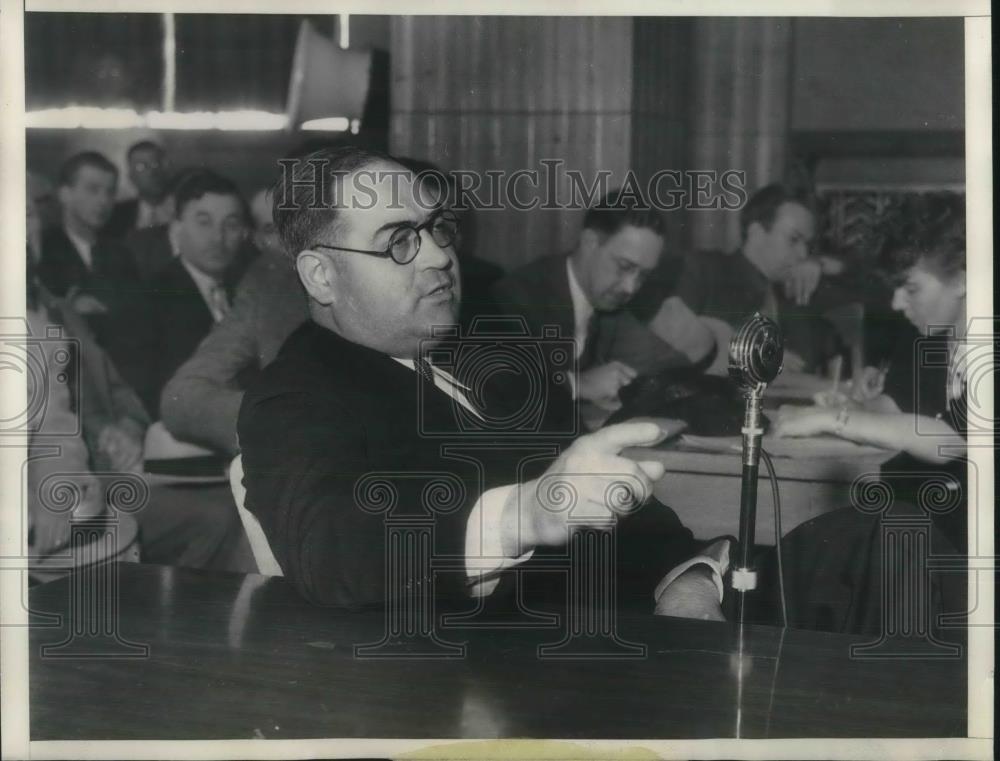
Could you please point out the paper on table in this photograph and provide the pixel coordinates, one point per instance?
(801, 449)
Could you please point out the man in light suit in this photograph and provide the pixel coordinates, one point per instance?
(352, 393)
(201, 401)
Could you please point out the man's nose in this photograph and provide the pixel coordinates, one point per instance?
(630, 285)
(898, 300)
(431, 255)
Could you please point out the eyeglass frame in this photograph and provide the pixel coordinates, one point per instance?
(418, 229)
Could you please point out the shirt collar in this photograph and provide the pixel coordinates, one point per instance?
(205, 283)
(84, 248)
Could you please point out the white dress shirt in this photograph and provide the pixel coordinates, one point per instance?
(153, 215)
(583, 310)
(83, 248)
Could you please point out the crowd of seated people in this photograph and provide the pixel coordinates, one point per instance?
(298, 337)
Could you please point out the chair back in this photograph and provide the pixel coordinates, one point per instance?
(267, 565)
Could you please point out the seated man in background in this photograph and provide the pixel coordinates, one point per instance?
(192, 293)
(717, 292)
(149, 171)
(583, 294)
(201, 402)
(154, 248)
(78, 261)
(111, 423)
(352, 390)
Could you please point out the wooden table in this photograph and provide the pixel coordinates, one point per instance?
(243, 657)
(703, 488)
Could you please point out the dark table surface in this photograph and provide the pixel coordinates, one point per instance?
(234, 656)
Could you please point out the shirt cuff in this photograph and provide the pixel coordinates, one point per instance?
(484, 557)
(715, 557)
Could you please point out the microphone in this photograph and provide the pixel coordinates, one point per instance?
(756, 353)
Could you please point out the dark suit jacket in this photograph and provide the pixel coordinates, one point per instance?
(123, 218)
(327, 414)
(539, 292)
(160, 332)
(151, 250)
(109, 277)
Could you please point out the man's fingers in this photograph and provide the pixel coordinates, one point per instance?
(628, 486)
(653, 469)
(627, 371)
(614, 438)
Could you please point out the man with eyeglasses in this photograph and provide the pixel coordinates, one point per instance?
(149, 171)
(584, 293)
(353, 401)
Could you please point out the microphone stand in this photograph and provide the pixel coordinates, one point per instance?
(744, 576)
(755, 359)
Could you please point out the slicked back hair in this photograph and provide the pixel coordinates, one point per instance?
(72, 166)
(305, 207)
(764, 204)
(617, 210)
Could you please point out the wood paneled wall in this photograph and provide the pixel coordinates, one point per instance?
(741, 109)
(504, 93)
(662, 96)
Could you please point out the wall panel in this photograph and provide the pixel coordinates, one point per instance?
(503, 93)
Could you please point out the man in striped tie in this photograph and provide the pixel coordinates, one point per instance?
(351, 428)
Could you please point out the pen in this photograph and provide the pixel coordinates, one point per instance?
(838, 363)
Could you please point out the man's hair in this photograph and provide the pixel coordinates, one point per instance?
(198, 183)
(300, 214)
(764, 204)
(144, 145)
(72, 166)
(617, 210)
(932, 235)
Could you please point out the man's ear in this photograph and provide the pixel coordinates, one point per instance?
(318, 276)
(174, 236)
(958, 284)
(754, 231)
(63, 194)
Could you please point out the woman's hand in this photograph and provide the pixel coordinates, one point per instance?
(868, 385)
(798, 422)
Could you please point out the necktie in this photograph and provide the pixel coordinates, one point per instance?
(589, 353)
(769, 308)
(218, 302)
(423, 368)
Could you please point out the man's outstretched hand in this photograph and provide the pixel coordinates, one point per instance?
(591, 480)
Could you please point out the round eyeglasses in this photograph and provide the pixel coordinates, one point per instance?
(404, 245)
